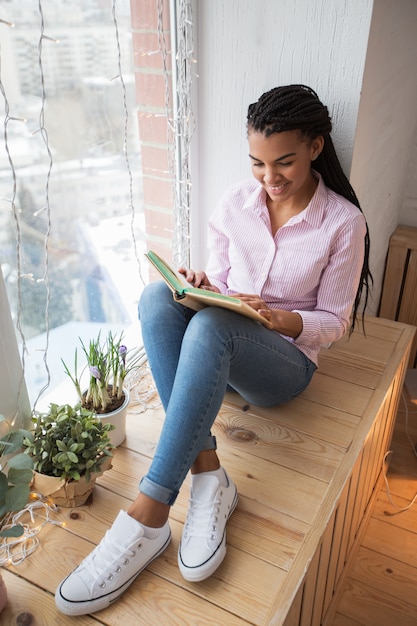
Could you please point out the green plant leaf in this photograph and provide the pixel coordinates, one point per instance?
(17, 497)
(72, 457)
(20, 461)
(61, 457)
(61, 445)
(14, 531)
(4, 484)
(20, 476)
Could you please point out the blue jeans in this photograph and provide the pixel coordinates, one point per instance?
(193, 358)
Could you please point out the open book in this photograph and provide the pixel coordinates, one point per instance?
(196, 298)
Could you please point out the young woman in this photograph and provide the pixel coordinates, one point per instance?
(293, 244)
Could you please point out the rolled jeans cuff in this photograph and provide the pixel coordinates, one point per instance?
(156, 492)
(168, 495)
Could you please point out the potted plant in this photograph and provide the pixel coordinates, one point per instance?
(69, 447)
(15, 480)
(106, 393)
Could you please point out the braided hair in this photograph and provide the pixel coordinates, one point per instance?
(297, 107)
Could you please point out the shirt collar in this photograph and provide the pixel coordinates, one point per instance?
(313, 213)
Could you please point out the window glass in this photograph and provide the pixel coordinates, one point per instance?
(71, 207)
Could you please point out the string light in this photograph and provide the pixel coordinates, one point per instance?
(50, 38)
(125, 142)
(181, 128)
(39, 211)
(44, 134)
(14, 550)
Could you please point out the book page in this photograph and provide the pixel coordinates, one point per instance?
(196, 298)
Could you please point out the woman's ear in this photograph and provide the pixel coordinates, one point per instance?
(316, 147)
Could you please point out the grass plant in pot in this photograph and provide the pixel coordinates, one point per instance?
(15, 480)
(70, 447)
(106, 394)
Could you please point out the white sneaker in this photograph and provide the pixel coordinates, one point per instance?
(203, 542)
(111, 567)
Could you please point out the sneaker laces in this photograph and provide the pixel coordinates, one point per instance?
(105, 557)
(202, 518)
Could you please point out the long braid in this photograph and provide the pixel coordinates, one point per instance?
(297, 107)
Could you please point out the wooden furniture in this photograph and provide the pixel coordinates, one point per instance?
(399, 293)
(306, 473)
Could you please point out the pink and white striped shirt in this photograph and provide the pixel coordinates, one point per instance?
(312, 265)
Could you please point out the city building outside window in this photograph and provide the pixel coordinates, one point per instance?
(85, 183)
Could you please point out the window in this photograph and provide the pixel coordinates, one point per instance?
(84, 181)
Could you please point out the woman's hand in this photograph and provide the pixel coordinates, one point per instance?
(254, 301)
(285, 322)
(198, 279)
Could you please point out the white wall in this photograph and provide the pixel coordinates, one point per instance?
(385, 150)
(245, 47)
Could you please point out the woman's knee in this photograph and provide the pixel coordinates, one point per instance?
(152, 296)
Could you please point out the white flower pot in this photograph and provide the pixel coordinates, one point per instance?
(118, 419)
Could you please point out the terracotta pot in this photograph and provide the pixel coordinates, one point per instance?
(66, 493)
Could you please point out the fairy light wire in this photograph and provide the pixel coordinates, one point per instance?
(180, 118)
(14, 550)
(185, 126)
(44, 134)
(125, 141)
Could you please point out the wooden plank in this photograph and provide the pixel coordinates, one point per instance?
(309, 592)
(347, 522)
(396, 262)
(328, 545)
(408, 307)
(335, 557)
(342, 620)
(268, 440)
(28, 604)
(326, 423)
(385, 574)
(338, 394)
(365, 606)
(404, 547)
(405, 236)
(294, 614)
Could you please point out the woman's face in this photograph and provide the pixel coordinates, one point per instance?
(282, 164)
